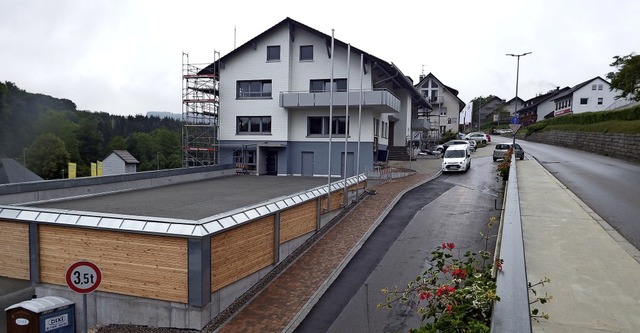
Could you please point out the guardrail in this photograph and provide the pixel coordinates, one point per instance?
(511, 313)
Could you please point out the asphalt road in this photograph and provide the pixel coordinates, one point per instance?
(452, 208)
(611, 187)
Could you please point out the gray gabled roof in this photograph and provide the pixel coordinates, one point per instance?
(126, 156)
(578, 86)
(452, 91)
(389, 68)
(13, 172)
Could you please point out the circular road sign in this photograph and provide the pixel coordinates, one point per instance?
(83, 277)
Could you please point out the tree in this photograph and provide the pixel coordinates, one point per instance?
(627, 77)
(47, 156)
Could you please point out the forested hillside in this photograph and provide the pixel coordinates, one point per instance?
(36, 127)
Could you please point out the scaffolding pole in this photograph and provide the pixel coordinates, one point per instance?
(200, 107)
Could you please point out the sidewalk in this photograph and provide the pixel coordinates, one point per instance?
(593, 270)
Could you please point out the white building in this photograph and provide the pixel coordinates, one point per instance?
(445, 102)
(119, 162)
(588, 96)
(277, 93)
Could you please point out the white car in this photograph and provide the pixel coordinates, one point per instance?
(441, 148)
(478, 137)
(457, 158)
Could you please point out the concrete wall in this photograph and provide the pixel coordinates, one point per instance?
(622, 146)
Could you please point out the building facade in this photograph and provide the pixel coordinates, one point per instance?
(591, 95)
(445, 103)
(119, 162)
(284, 97)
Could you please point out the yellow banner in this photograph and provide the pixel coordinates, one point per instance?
(94, 169)
(72, 170)
(99, 168)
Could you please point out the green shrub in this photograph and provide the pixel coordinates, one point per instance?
(621, 121)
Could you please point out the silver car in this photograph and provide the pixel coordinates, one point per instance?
(501, 149)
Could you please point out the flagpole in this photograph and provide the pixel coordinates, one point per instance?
(330, 124)
(359, 129)
(346, 128)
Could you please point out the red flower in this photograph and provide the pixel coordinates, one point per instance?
(449, 246)
(459, 273)
(499, 264)
(425, 295)
(449, 308)
(445, 289)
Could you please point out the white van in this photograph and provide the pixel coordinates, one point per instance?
(457, 158)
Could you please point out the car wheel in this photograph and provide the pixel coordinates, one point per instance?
(440, 150)
(484, 142)
(495, 159)
(522, 157)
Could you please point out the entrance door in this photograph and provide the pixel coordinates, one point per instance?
(351, 170)
(391, 132)
(271, 159)
(307, 163)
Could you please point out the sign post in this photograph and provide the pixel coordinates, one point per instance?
(515, 126)
(84, 277)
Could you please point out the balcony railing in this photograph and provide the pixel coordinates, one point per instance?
(381, 100)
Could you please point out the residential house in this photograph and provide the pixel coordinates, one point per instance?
(119, 162)
(284, 96)
(513, 104)
(445, 103)
(536, 108)
(487, 110)
(588, 96)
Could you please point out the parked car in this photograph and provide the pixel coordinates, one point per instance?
(457, 158)
(501, 149)
(478, 137)
(443, 147)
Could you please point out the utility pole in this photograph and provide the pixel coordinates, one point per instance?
(515, 110)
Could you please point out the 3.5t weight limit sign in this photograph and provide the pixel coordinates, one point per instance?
(83, 277)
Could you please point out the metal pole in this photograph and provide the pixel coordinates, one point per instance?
(346, 130)
(86, 316)
(359, 129)
(515, 110)
(330, 124)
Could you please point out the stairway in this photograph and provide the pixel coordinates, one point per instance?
(398, 153)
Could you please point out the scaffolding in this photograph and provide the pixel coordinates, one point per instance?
(200, 106)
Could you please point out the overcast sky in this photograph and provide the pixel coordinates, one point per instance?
(124, 57)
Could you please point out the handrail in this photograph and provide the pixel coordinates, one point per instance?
(511, 313)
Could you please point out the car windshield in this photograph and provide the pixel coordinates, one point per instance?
(454, 154)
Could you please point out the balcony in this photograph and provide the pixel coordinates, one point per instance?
(378, 100)
(435, 100)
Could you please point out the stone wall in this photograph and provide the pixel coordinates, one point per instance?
(622, 146)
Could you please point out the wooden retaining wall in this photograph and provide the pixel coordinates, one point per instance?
(242, 251)
(141, 265)
(14, 250)
(298, 221)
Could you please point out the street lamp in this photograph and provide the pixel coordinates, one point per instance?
(515, 111)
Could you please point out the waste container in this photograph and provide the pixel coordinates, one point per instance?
(50, 314)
